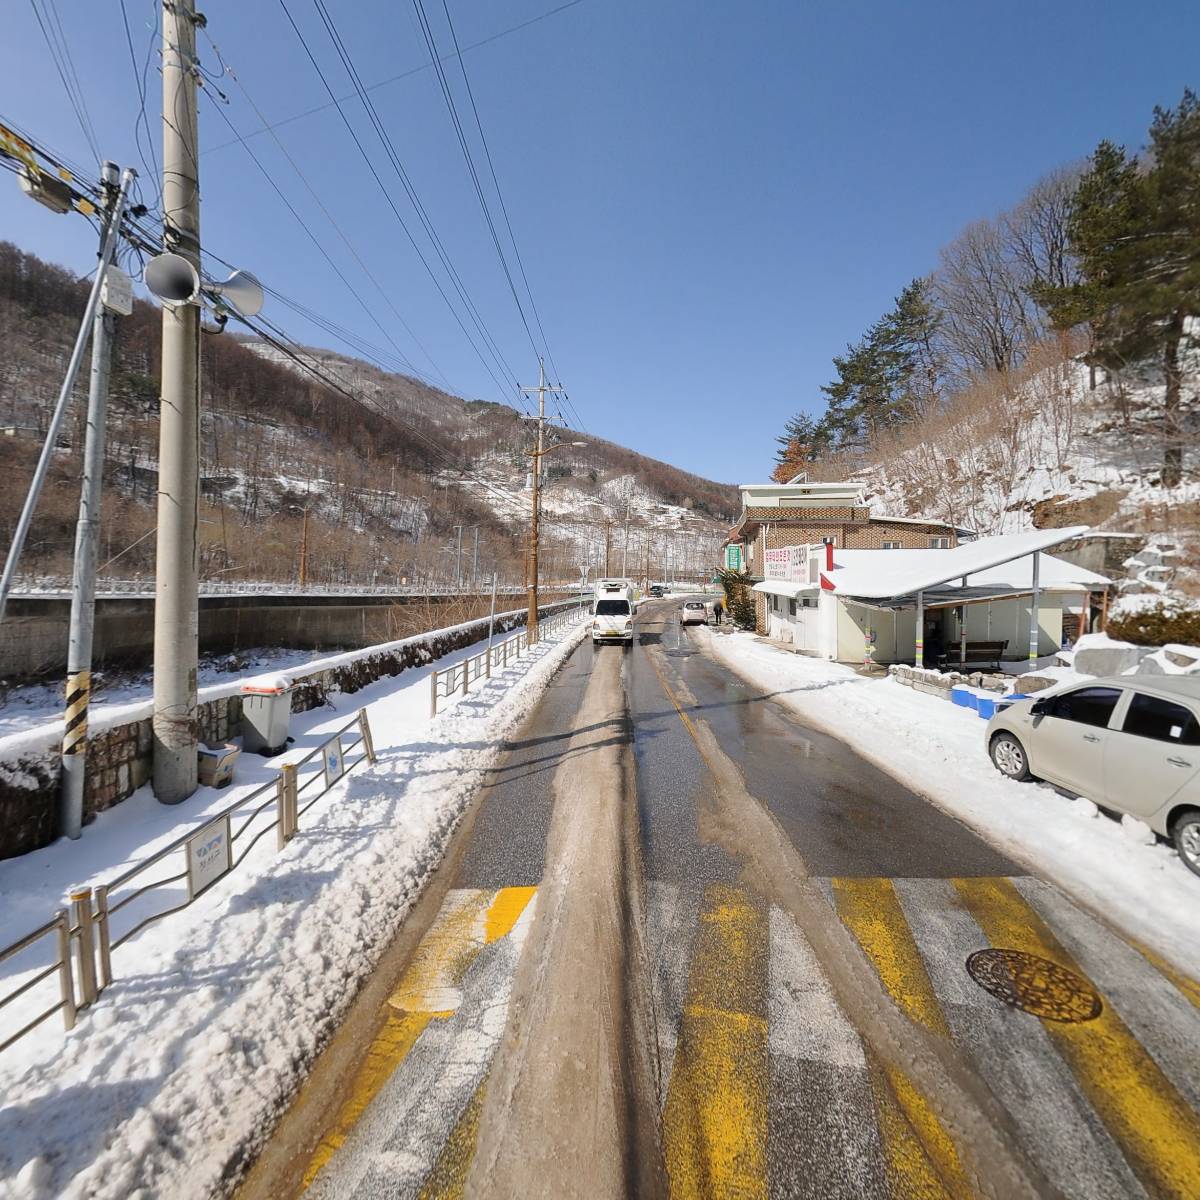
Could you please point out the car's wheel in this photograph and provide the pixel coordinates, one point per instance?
(1009, 758)
(1185, 833)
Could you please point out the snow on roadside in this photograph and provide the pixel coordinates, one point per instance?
(937, 749)
(173, 1080)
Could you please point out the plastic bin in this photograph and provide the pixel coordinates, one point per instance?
(963, 696)
(266, 716)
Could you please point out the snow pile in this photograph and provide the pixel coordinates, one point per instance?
(938, 750)
(171, 1082)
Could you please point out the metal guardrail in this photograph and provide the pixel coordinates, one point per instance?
(51, 588)
(458, 677)
(87, 933)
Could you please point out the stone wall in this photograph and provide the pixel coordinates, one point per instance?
(119, 759)
(939, 683)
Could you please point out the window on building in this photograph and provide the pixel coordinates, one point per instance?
(1087, 706)
(891, 545)
(939, 543)
(791, 608)
(1150, 717)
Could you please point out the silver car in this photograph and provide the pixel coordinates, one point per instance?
(693, 613)
(1130, 744)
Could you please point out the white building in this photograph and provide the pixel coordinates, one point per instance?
(972, 603)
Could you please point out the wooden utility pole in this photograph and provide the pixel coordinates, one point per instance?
(531, 618)
(607, 549)
(304, 552)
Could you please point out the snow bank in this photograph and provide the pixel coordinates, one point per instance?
(172, 1081)
(937, 749)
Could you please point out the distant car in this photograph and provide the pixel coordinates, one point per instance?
(656, 591)
(1132, 745)
(693, 613)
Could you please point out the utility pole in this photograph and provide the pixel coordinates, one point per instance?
(87, 536)
(607, 549)
(303, 574)
(176, 603)
(531, 617)
(475, 563)
(625, 546)
(458, 558)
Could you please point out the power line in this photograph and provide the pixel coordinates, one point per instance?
(227, 70)
(372, 87)
(410, 191)
(60, 54)
(458, 53)
(392, 204)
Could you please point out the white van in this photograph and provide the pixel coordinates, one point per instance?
(612, 613)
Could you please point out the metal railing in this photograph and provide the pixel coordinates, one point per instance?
(87, 934)
(102, 919)
(457, 678)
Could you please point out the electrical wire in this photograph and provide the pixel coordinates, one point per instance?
(226, 70)
(372, 87)
(141, 124)
(513, 384)
(60, 54)
(458, 54)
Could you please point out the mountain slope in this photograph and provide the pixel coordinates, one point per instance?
(374, 477)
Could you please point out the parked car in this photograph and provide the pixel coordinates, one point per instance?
(656, 591)
(693, 612)
(1130, 744)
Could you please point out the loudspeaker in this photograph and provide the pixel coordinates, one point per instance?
(241, 292)
(172, 279)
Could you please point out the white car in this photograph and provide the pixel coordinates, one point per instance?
(693, 612)
(613, 621)
(1131, 744)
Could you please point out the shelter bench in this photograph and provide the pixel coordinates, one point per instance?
(978, 654)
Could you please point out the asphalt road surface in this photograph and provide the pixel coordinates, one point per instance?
(688, 947)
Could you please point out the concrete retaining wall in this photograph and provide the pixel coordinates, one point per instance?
(33, 637)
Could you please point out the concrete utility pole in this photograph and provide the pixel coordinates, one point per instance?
(458, 557)
(607, 549)
(303, 573)
(531, 616)
(176, 601)
(475, 562)
(87, 537)
(625, 547)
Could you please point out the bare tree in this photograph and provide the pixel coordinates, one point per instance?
(986, 310)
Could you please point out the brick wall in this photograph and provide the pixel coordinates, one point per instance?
(843, 512)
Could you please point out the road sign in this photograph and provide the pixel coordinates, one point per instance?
(209, 856)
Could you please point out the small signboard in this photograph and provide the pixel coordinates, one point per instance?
(335, 761)
(209, 856)
(733, 557)
(787, 562)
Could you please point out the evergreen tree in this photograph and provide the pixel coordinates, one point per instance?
(1136, 233)
(803, 441)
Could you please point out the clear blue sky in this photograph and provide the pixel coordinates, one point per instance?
(710, 199)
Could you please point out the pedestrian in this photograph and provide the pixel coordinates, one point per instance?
(717, 610)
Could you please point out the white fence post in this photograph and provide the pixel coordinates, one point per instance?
(65, 983)
(368, 741)
(433, 693)
(81, 919)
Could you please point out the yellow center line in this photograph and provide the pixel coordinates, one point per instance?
(920, 1155)
(715, 1122)
(1157, 1130)
(428, 991)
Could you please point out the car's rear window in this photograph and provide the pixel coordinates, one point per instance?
(1152, 717)
(693, 604)
(612, 608)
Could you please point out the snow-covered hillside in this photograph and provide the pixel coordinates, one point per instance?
(1054, 452)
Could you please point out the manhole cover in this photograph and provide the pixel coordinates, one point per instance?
(1035, 985)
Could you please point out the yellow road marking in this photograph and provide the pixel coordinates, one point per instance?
(504, 910)
(1158, 1132)
(715, 1123)
(920, 1154)
(1185, 983)
(428, 990)
(449, 1175)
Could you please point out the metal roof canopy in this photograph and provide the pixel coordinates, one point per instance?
(960, 595)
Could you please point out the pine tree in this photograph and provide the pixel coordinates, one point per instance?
(1136, 233)
(803, 441)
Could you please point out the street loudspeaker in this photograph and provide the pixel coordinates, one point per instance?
(241, 292)
(172, 279)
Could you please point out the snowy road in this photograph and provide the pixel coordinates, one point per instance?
(689, 946)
